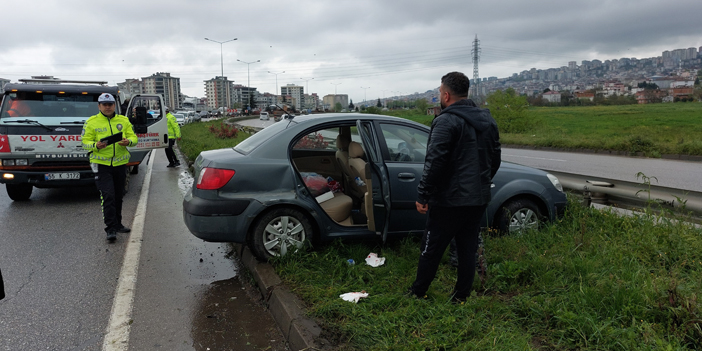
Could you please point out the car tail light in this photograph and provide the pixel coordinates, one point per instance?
(213, 178)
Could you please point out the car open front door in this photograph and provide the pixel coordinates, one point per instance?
(147, 114)
(378, 176)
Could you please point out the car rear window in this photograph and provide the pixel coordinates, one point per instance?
(261, 137)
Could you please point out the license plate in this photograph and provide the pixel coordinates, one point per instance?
(62, 176)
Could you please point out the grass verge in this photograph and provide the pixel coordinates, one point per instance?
(593, 280)
(652, 129)
(196, 137)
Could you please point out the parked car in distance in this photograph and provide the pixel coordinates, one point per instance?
(264, 116)
(271, 191)
(180, 118)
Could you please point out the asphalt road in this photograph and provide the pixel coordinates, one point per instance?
(670, 173)
(60, 275)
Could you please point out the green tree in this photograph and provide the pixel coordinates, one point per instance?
(422, 105)
(351, 104)
(379, 104)
(252, 102)
(697, 81)
(338, 107)
(511, 111)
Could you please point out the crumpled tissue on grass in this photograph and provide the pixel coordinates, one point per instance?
(353, 296)
(374, 261)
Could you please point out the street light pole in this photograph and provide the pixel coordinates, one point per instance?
(248, 81)
(364, 95)
(384, 101)
(307, 81)
(221, 54)
(276, 82)
(335, 85)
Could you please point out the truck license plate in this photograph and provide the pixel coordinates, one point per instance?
(61, 176)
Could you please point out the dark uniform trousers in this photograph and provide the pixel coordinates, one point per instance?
(110, 182)
(170, 154)
(444, 224)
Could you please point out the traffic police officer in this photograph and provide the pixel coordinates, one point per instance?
(109, 161)
(173, 133)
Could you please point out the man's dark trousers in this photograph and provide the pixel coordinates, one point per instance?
(443, 224)
(170, 154)
(110, 183)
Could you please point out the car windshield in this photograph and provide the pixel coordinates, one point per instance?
(259, 138)
(31, 104)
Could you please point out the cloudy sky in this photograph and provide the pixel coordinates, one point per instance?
(389, 47)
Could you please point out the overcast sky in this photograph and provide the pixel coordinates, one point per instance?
(389, 47)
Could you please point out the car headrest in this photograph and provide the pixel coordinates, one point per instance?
(355, 150)
(342, 142)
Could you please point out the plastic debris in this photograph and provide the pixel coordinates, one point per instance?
(351, 262)
(374, 261)
(354, 296)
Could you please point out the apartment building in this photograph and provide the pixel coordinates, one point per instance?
(169, 87)
(329, 101)
(296, 92)
(219, 92)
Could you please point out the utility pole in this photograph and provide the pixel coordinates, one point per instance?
(221, 55)
(248, 82)
(385, 104)
(307, 81)
(475, 52)
(364, 95)
(276, 82)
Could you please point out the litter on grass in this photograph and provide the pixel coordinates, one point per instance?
(374, 261)
(353, 296)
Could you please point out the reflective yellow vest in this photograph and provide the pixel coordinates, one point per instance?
(98, 127)
(173, 127)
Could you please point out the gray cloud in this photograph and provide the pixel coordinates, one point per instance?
(393, 46)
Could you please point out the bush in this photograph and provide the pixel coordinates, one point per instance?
(224, 131)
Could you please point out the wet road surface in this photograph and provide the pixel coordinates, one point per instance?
(60, 275)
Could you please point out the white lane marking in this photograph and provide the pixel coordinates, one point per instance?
(117, 337)
(537, 158)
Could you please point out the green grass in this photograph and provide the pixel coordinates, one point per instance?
(653, 129)
(196, 137)
(592, 281)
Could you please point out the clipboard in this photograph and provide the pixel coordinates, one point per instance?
(115, 138)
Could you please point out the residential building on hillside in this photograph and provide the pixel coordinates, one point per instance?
(241, 95)
(162, 83)
(131, 86)
(552, 96)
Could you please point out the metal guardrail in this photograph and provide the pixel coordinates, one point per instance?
(611, 191)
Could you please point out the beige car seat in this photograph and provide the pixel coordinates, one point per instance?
(342, 157)
(358, 169)
(339, 208)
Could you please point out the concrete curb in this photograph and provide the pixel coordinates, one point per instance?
(301, 332)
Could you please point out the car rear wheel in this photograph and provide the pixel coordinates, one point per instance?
(518, 216)
(19, 192)
(280, 232)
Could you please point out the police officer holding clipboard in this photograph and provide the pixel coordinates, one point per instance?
(106, 136)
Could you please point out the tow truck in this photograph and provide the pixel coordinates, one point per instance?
(41, 123)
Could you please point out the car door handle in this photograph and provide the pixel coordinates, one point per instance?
(408, 176)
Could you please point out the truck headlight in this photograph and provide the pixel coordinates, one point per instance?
(8, 162)
(21, 162)
(555, 181)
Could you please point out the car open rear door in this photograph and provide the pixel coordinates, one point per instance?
(147, 114)
(378, 175)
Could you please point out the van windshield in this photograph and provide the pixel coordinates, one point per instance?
(28, 104)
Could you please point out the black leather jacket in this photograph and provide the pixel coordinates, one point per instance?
(463, 154)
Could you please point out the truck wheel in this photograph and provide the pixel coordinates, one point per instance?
(134, 169)
(279, 232)
(19, 192)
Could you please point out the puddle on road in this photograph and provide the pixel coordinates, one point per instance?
(226, 318)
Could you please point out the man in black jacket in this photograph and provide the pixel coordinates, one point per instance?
(463, 154)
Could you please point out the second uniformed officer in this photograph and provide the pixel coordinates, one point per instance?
(109, 161)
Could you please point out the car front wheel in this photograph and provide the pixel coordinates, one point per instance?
(280, 232)
(518, 216)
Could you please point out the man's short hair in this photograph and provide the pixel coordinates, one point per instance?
(457, 83)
